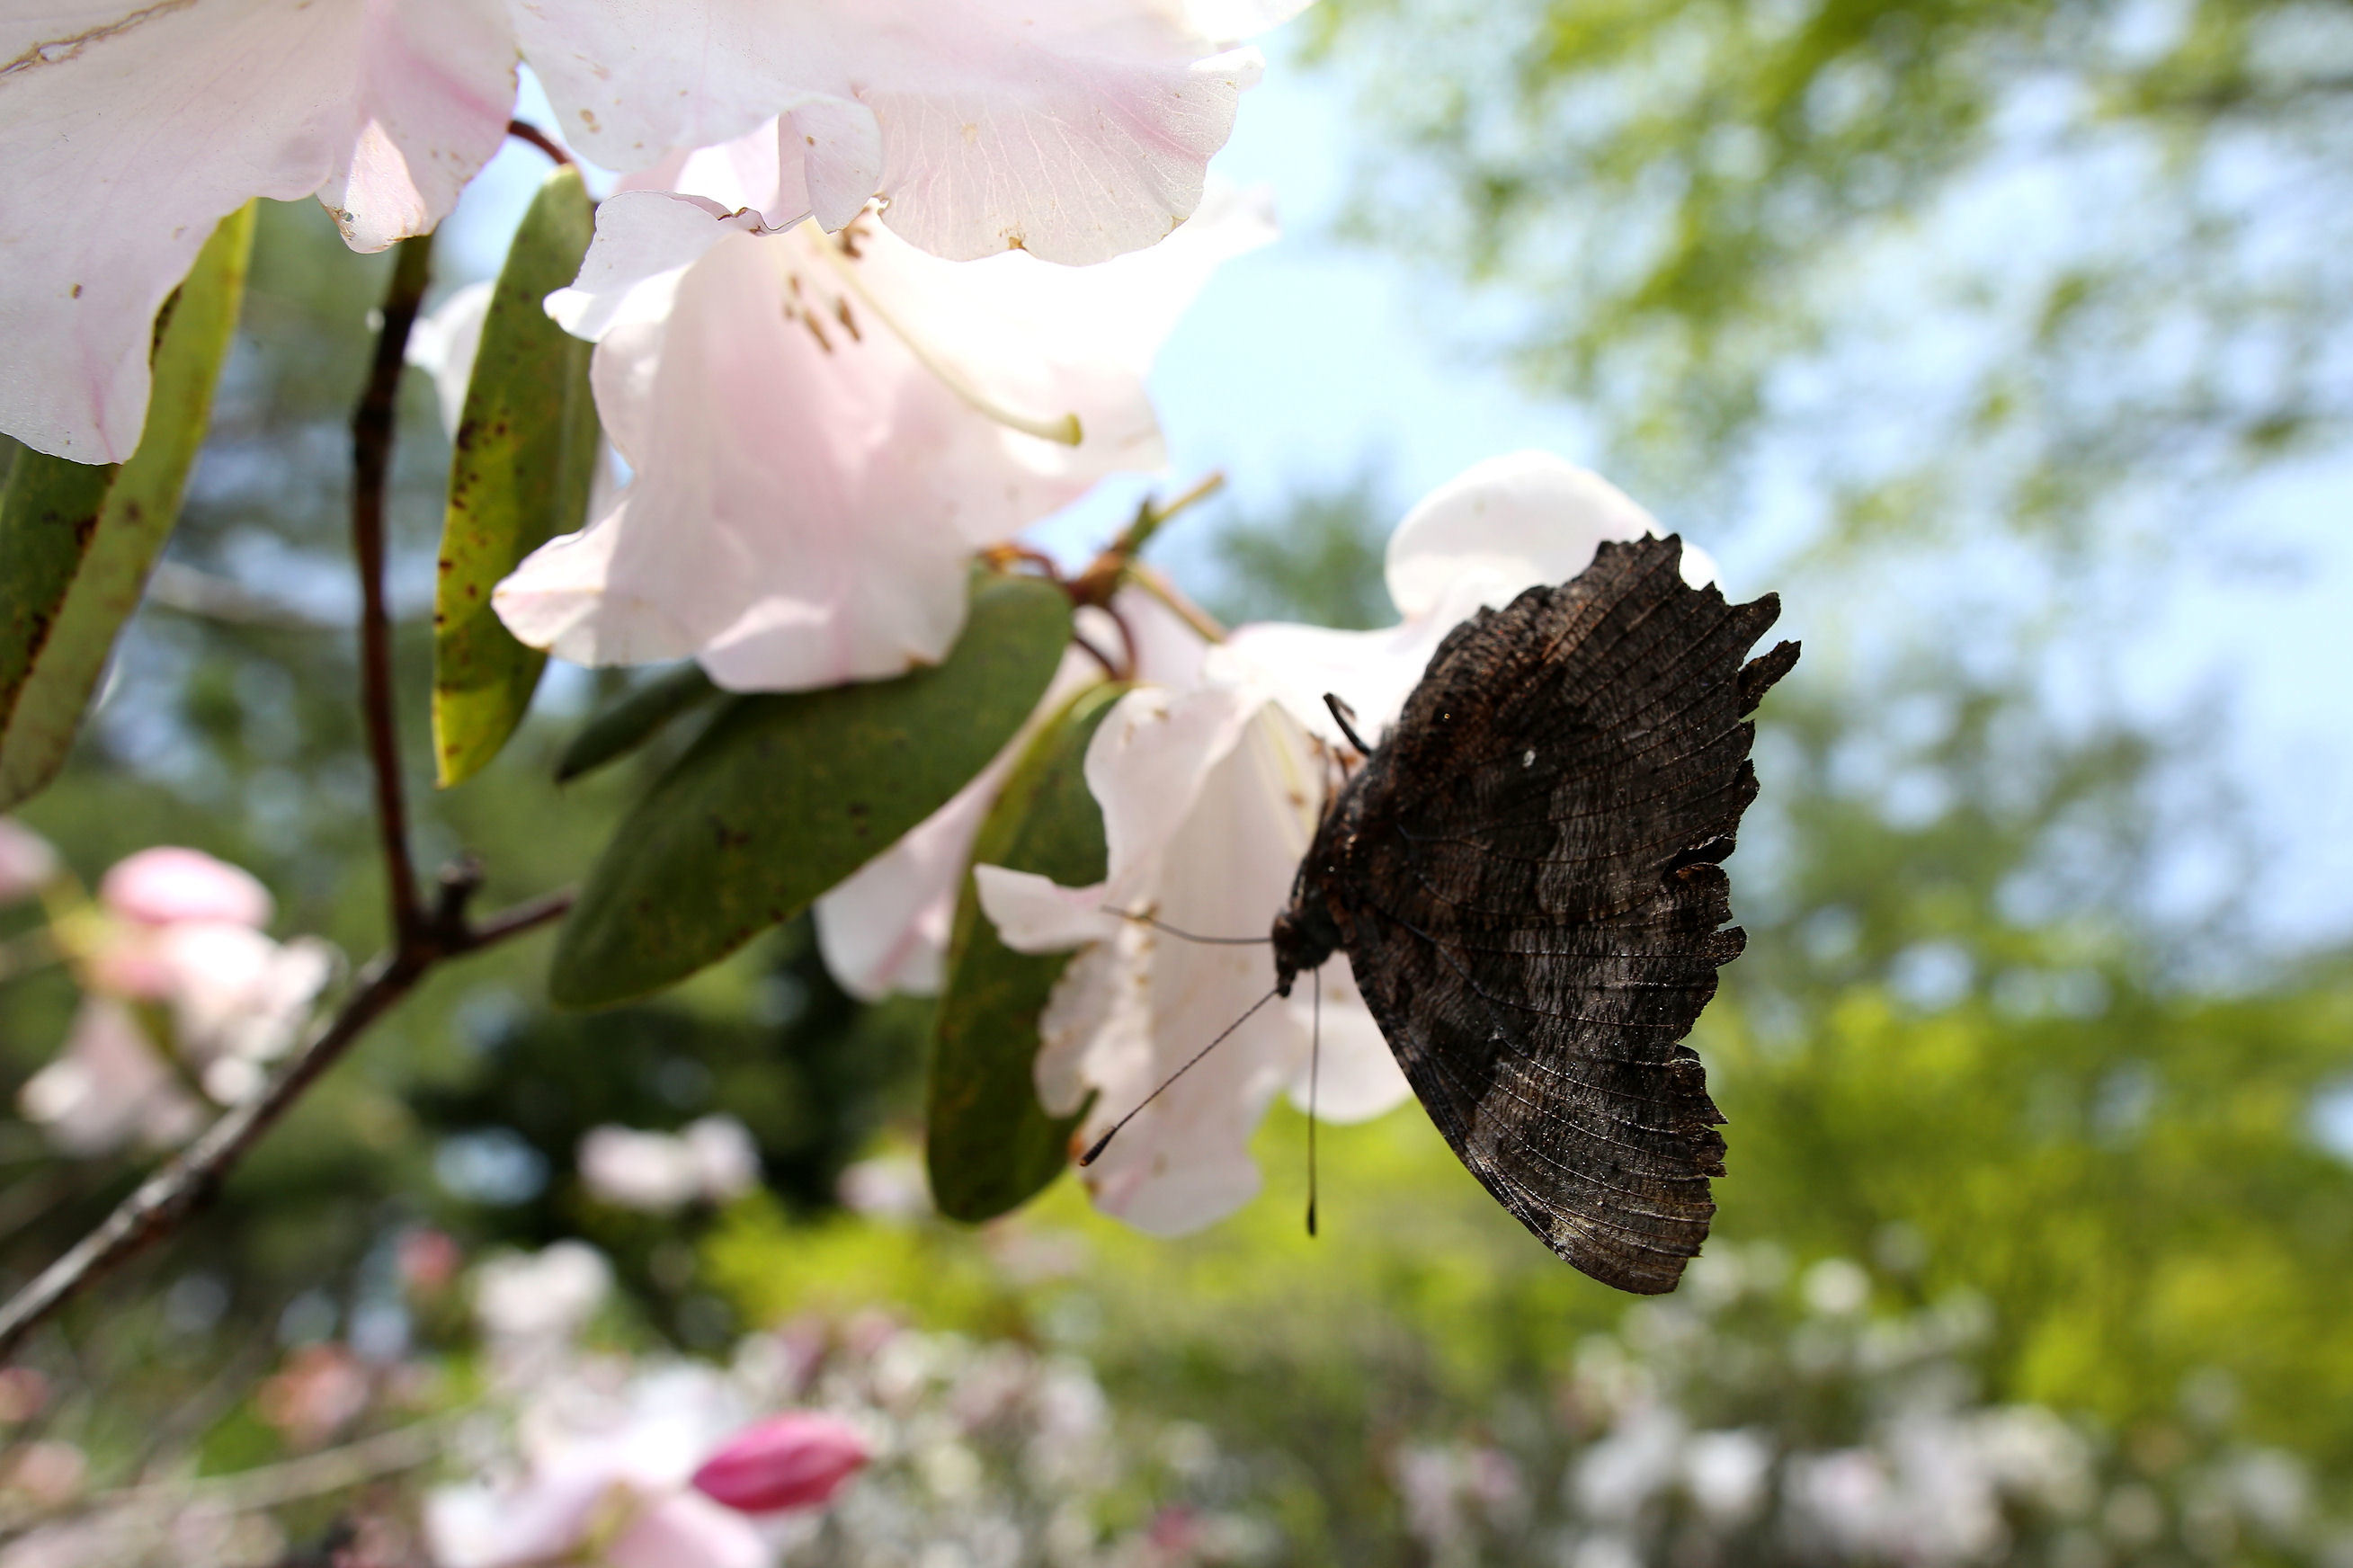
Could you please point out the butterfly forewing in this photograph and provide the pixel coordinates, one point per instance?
(1524, 875)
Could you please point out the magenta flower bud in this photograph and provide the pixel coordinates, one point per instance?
(794, 1460)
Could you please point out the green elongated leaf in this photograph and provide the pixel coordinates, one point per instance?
(635, 719)
(782, 797)
(990, 1146)
(524, 455)
(77, 540)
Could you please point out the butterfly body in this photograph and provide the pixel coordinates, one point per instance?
(1523, 876)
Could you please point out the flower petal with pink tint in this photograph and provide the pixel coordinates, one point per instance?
(821, 430)
(796, 1460)
(169, 884)
(1510, 521)
(1209, 797)
(110, 1088)
(1077, 129)
(130, 132)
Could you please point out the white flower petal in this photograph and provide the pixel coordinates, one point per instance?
(886, 929)
(443, 345)
(27, 863)
(645, 241)
(1358, 1078)
(1185, 1160)
(1506, 523)
(130, 132)
(1033, 914)
(1079, 129)
(1147, 765)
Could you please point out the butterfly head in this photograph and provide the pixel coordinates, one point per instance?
(1305, 936)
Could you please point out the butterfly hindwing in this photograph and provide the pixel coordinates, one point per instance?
(1529, 896)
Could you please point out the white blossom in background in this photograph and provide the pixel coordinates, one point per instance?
(1210, 795)
(177, 929)
(713, 1160)
(27, 863)
(1076, 129)
(886, 929)
(821, 429)
(542, 1298)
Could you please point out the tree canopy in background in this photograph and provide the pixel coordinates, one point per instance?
(1997, 261)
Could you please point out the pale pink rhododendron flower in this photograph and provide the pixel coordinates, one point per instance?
(821, 429)
(1209, 798)
(1079, 129)
(886, 929)
(175, 928)
(712, 1160)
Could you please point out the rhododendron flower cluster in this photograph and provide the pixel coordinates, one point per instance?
(1209, 796)
(821, 429)
(178, 930)
(1076, 130)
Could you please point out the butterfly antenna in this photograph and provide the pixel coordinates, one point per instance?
(1095, 1152)
(1314, 1066)
(1345, 716)
(1140, 918)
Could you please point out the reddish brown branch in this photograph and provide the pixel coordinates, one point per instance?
(540, 138)
(372, 427)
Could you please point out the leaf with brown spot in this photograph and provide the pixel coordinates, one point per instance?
(77, 540)
(784, 796)
(519, 475)
(990, 1145)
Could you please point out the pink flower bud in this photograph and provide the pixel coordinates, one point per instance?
(167, 885)
(796, 1460)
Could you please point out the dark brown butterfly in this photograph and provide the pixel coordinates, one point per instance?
(1525, 877)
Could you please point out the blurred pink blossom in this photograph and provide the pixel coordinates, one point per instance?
(168, 885)
(111, 1086)
(322, 1389)
(177, 928)
(27, 864)
(791, 1462)
(613, 1467)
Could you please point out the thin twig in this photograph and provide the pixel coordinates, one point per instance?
(522, 130)
(372, 427)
